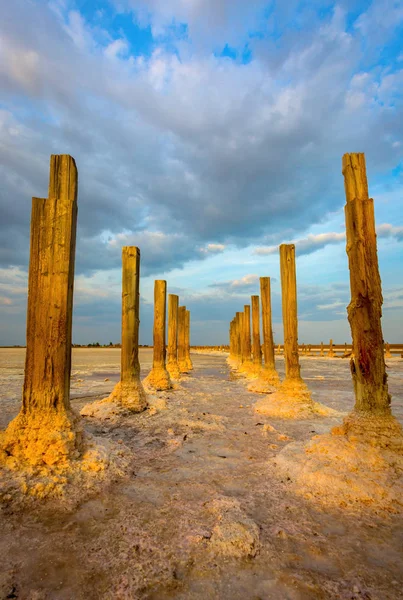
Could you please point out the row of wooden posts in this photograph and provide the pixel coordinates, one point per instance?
(46, 429)
(245, 343)
(364, 310)
(129, 391)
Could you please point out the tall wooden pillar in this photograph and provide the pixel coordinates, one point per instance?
(289, 304)
(269, 372)
(365, 309)
(46, 431)
(129, 392)
(159, 378)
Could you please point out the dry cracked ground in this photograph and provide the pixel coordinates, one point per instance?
(201, 511)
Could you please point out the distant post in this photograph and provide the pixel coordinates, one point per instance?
(257, 352)
(158, 377)
(187, 341)
(289, 303)
(129, 392)
(269, 372)
(182, 362)
(172, 364)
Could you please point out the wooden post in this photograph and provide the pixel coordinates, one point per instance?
(388, 353)
(242, 336)
(269, 372)
(322, 350)
(187, 341)
(248, 345)
(365, 309)
(331, 352)
(46, 431)
(238, 337)
(129, 392)
(289, 304)
(257, 353)
(183, 366)
(172, 363)
(232, 340)
(158, 377)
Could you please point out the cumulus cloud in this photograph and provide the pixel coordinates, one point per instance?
(245, 284)
(226, 152)
(312, 242)
(307, 245)
(213, 249)
(387, 230)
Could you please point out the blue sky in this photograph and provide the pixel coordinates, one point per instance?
(207, 133)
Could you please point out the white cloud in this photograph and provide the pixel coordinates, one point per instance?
(316, 242)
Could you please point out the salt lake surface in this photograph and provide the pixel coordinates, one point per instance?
(202, 512)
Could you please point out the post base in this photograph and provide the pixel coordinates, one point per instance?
(292, 400)
(173, 369)
(44, 438)
(359, 463)
(158, 379)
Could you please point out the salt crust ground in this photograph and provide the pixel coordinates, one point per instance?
(359, 462)
(286, 400)
(200, 510)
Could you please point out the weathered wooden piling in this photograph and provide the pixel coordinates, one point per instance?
(172, 362)
(46, 431)
(129, 392)
(158, 377)
(187, 341)
(289, 305)
(182, 362)
(257, 352)
(365, 309)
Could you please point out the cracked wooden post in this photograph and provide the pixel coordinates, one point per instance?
(172, 363)
(372, 400)
(231, 340)
(238, 338)
(46, 431)
(293, 378)
(242, 337)
(187, 341)
(331, 352)
(158, 377)
(292, 398)
(129, 392)
(322, 350)
(269, 370)
(233, 343)
(183, 367)
(247, 346)
(289, 304)
(257, 352)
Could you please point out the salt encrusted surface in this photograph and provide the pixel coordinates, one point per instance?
(199, 505)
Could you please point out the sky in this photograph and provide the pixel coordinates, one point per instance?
(205, 132)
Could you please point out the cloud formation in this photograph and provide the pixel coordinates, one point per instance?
(312, 242)
(197, 127)
(197, 144)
